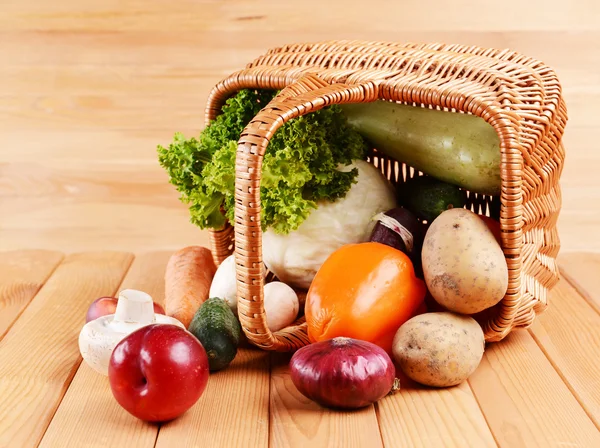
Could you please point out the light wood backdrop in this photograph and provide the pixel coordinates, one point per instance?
(88, 88)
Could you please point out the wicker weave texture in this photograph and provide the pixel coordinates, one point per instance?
(519, 96)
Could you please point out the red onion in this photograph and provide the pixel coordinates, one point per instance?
(343, 373)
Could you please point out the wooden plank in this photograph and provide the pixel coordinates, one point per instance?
(122, 183)
(94, 81)
(138, 111)
(197, 48)
(82, 223)
(69, 203)
(93, 112)
(118, 149)
(148, 79)
(568, 332)
(39, 355)
(428, 417)
(263, 15)
(232, 412)
(89, 411)
(297, 421)
(581, 270)
(524, 400)
(216, 50)
(22, 274)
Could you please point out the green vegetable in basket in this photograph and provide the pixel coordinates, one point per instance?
(300, 167)
(428, 197)
(461, 149)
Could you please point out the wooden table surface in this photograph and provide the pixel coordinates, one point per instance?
(538, 388)
(89, 88)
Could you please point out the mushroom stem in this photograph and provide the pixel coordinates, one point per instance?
(134, 307)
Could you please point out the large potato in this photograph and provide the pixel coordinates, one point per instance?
(439, 349)
(463, 264)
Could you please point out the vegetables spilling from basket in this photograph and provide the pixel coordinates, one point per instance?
(317, 191)
(382, 274)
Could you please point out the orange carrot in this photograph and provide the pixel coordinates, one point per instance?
(188, 277)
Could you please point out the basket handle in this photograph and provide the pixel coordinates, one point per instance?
(307, 94)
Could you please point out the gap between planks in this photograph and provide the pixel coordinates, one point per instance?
(485, 418)
(566, 337)
(232, 412)
(378, 416)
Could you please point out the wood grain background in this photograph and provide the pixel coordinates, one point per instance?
(88, 88)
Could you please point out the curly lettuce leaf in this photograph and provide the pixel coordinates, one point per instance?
(300, 167)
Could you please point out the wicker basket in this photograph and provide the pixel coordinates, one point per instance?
(519, 96)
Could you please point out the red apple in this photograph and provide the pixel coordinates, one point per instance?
(107, 305)
(158, 372)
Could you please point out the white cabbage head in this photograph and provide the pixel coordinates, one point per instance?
(296, 257)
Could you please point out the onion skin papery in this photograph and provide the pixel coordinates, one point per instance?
(343, 373)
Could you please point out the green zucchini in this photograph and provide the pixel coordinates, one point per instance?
(218, 330)
(460, 149)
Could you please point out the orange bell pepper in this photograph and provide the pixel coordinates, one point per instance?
(363, 291)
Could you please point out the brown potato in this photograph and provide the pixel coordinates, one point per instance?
(439, 349)
(463, 264)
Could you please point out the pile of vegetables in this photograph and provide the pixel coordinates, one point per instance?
(395, 278)
(375, 260)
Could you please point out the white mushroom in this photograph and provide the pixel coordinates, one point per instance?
(281, 305)
(99, 337)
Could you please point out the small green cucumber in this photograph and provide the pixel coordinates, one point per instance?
(218, 330)
(427, 197)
